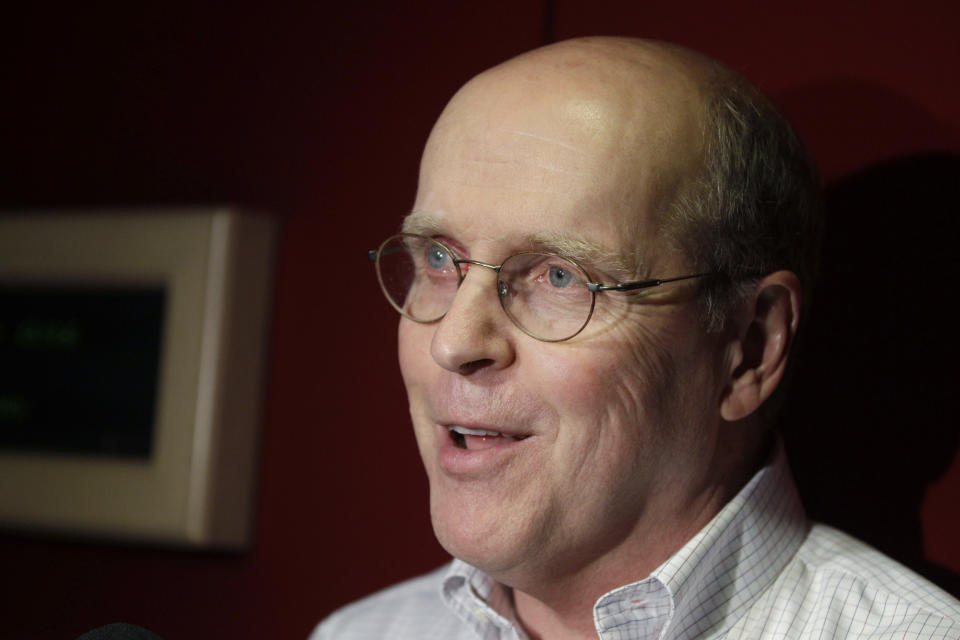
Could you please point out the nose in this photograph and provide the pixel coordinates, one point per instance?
(475, 335)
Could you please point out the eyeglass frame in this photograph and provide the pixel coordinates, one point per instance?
(593, 287)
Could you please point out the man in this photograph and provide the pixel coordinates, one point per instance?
(600, 282)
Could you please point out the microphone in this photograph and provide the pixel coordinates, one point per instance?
(119, 631)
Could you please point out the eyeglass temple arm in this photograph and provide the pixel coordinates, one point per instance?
(640, 284)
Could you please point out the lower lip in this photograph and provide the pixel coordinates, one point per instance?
(475, 462)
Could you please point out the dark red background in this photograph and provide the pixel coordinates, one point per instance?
(317, 112)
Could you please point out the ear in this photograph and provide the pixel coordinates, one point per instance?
(758, 355)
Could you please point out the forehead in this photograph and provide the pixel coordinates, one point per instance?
(569, 149)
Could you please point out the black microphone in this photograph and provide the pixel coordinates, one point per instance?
(119, 631)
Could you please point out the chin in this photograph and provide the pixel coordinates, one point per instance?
(485, 531)
(464, 530)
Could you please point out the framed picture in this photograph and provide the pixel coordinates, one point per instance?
(132, 353)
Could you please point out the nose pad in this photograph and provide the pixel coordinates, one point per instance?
(475, 332)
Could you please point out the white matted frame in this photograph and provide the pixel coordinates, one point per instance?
(198, 486)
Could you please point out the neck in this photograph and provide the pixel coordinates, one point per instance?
(560, 605)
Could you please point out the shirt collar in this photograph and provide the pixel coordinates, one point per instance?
(702, 589)
(481, 602)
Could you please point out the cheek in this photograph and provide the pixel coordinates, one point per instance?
(611, 398)
(630, 370)
(413, 351)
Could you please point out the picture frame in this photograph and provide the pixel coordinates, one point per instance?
(197, 485)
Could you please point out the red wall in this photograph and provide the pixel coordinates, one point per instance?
(317, 112)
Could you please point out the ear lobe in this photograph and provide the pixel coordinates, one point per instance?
(764, 345)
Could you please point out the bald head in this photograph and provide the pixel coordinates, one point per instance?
(627, 114)
(591, 150)
(683, 154)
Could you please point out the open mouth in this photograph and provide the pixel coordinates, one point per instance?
(476, 439)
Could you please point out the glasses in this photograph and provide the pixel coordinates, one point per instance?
(547, 296)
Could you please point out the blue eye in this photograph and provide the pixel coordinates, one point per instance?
(437, 257)
(560, 277)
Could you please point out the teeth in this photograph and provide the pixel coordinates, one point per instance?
(472, 432)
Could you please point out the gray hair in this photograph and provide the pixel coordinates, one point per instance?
(754, 206)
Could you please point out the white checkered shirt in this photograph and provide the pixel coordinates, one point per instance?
(757, 570)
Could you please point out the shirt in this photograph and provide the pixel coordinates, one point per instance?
(757, 570)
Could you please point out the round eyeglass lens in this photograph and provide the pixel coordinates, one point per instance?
(545, 295)
(418, 276)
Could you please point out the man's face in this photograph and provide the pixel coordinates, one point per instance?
(602, 435)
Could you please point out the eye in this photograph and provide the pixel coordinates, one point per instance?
(559, 276)
(437, 257)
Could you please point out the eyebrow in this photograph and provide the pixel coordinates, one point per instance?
(421, 223)
(588, 254)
